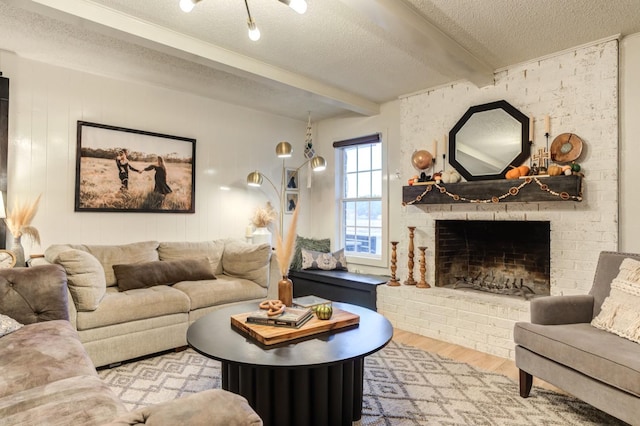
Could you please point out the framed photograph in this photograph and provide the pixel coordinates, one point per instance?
(127, 170)
(290, 201)
(292, 179)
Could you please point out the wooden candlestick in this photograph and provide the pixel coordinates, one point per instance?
(423, 269)
(393, 282)
(410, 280)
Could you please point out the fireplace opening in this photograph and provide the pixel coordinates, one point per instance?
(502, 257)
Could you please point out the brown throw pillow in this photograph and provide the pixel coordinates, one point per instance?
(162, 272)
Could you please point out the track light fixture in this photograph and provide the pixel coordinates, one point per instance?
(299, 6)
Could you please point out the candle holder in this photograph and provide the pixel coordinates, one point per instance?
(423, 269)
(393, 282)
(410, 280)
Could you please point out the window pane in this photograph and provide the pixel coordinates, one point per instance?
(376, 156)
(350, 160)
(364, 184)
(351, 186)
(349, 214)
(376, 184)
(362, 213)
(364, 157)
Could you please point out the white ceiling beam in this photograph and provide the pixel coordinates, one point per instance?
(403, 21)
(193, 49)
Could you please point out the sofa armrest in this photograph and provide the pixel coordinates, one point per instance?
(211, 407)
(552, 310)
(35, 294)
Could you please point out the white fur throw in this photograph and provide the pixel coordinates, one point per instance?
(620, 312)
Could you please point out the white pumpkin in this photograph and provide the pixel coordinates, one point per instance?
(450, 176)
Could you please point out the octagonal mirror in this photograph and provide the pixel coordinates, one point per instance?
(488, 139)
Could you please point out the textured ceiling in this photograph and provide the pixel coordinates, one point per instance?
(341, 57)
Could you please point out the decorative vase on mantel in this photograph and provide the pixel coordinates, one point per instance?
(261, 235)
(285, 291)
(18, 251)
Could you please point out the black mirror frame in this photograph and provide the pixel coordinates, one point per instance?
(509, 109)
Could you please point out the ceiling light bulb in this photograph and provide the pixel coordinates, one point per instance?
(254, 32)
(187, 5)
(299, 6)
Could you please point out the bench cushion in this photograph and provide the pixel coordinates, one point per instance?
(582, 347)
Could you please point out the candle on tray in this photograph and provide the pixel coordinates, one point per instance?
(531, 128)
(435, 149)
(547, 125)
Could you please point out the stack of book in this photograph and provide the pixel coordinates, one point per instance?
(291, 317)
(310, 301)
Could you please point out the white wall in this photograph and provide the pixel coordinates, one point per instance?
(629, 143)
(47, 101)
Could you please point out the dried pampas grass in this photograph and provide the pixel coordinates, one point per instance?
(19, 219)
(286, 248)
(264, 216)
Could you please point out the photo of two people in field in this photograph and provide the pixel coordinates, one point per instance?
(144, 175)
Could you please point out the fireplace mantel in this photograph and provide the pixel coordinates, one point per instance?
(526, 190)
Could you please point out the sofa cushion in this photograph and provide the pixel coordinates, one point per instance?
(320, 245)
(85, 278)
(620, 311)
(34, 294)
(187, 250)
(582, 347)
(224, 290)
(41, 353)
(119, 307)
(78, 400)
(248, 261)
(324, 261)
(160, 272)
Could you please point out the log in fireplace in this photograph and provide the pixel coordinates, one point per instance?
(501, 257)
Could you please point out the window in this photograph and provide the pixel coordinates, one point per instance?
(361, 206)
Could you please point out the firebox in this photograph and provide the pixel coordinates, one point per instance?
(501, 257)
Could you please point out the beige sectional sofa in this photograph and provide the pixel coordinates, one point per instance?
(48, 379)
(128, 300)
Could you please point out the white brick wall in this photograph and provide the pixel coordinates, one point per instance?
(578, 89)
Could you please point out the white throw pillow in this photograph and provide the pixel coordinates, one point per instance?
(8, 325)
(85, 278)
(620, 312)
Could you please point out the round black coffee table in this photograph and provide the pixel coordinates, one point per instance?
(315, 381)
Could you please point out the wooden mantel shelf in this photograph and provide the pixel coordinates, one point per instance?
(532, 189)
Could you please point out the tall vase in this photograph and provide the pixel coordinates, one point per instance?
(18, 250)
(285, 291)
(261, 235)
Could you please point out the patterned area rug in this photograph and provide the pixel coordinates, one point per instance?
(402, 386)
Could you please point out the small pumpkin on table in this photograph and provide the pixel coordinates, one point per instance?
(323, 312)
(516, 172)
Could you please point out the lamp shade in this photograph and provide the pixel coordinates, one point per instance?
(254, 179)
(318, 164)
(284, 150)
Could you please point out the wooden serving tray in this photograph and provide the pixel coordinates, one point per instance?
(271, 335)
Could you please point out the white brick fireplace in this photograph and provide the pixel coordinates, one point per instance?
(579, 90)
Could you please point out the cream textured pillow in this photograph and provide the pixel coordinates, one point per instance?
(109, 255)
(248, 261)
(186, 250)
(85, 278)
(620, 313)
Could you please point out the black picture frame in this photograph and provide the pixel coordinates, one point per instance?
(108, 182)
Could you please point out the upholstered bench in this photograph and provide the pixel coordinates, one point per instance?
(339, 286)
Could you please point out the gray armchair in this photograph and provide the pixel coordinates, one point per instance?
(561, 347)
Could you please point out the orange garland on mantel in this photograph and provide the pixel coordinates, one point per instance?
(513, 191)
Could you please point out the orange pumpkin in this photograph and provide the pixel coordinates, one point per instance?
(513, 173)
(524, 170)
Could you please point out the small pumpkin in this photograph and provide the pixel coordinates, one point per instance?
(554, 170)
(324, 312)
(516, 172)
(575, 167)
(450, 176)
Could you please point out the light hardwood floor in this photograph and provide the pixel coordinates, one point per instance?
(478, 359)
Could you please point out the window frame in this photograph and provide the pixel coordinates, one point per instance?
(362, 259)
